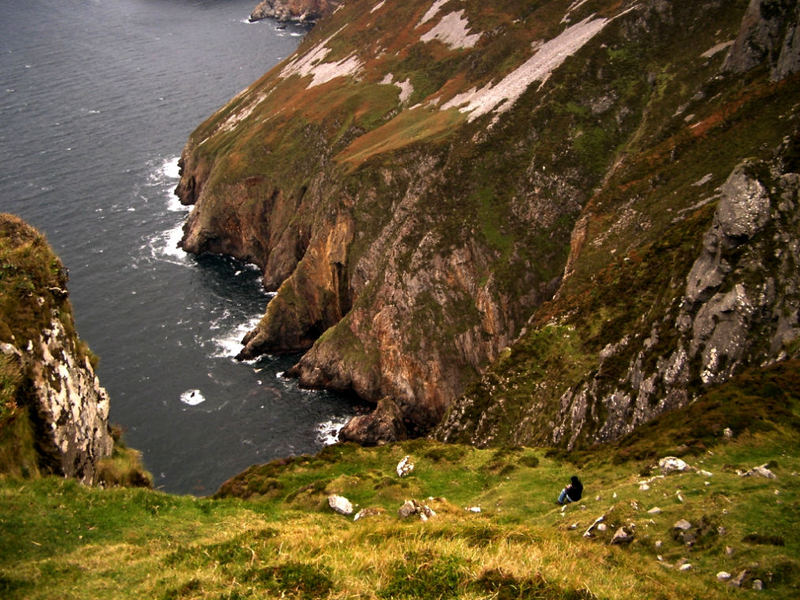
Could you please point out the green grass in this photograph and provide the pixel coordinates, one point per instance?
(59, 539)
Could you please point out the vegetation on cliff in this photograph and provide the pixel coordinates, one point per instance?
(436, 187)
(53, 412)
(270, 532)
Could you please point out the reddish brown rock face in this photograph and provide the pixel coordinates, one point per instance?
(417, 180)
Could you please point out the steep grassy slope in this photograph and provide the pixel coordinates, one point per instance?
(61, 540)
(418, 177)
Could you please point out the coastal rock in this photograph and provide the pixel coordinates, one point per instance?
(56, 385)
(412, 507)
(384, 424)
(293, 10)
(369, 512)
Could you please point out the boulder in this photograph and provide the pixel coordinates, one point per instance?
(412, 507)
(672, 464)
(723, 576)
(340, 504)
(623, 536)
(384, 424)
(404, 467)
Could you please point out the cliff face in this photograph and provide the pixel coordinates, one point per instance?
(419, 180)
(49, 388)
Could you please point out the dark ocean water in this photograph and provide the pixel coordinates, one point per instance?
(97, 98)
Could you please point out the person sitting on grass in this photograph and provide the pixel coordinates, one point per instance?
(571, 493)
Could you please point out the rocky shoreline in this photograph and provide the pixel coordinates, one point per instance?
(300, 11)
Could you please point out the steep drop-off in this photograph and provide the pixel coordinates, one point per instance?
(420, 179)
(53, 411)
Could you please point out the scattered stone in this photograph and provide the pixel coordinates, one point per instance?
(598, 521)
(758, 584)
(685, 567)
(405, 466)
(682, 524)
(658, 544)
(761, 471)
(672, 464)
(340, 504)
(601, 527)
(474, 509)
(723, 576)
(721, 530)
(727, 432)
(412, 507)
(740, 579)
(573, 526)
(644, 486)
(635, 505)
(705, 473)
(729, 551)
(654, 511)
(614, 495)
(622, 536)
(369, 512)
(678, 496)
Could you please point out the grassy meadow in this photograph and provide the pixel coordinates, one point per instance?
(277, 537)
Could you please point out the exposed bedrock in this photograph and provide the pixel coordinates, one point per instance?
(420, 179)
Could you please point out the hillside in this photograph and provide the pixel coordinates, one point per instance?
(525, 222)
(718, 530)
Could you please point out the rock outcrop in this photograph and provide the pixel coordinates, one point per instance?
(302, 11)
(520, 225)
(48, 377)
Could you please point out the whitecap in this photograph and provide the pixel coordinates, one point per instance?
(192, 397)
(164, 246)
(230, 344)
(170, 168)
(328, 431)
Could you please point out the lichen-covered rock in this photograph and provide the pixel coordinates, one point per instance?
(340, 504)
(47, 372)
(293, 10)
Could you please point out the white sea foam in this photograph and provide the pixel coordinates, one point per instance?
(164, 246)
(328, 431)
(170, 168)
(229, 344)
(192, 397)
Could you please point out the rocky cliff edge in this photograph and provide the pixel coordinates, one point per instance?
(53, 410)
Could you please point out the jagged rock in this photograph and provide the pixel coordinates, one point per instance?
(760, 471)
(340, 504)
(671, 464)
(622, 536)
(769, 33)
(404, 467)
(654, 511)
(67, 407)
(368, 512)
(412, 507)
(743, 577)
(384, 424)
(293, 10)
(598, 521)
(723, 576)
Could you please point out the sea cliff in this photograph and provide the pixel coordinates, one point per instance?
(515, 222)
(53, 410)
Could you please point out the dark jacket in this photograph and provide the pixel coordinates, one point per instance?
(575, 489)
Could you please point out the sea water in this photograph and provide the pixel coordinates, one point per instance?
(97, 98)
